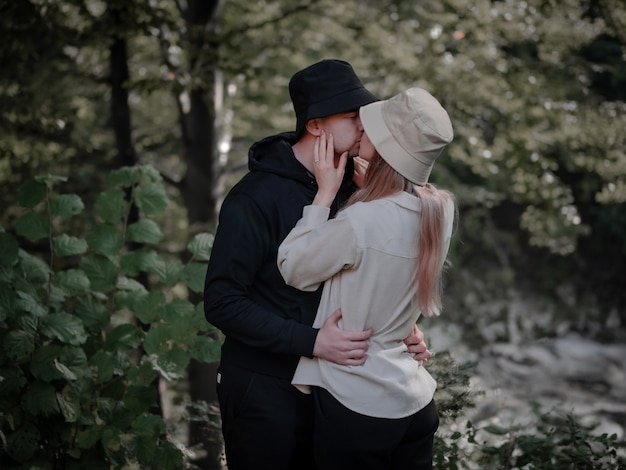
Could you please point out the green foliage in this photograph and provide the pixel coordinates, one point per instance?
(557, 442)
(83, 340)
(554, 442)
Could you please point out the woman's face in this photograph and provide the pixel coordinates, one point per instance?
(367, 150)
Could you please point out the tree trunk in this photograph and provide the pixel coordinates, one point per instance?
(198, 190)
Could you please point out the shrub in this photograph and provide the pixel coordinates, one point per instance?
(88, 328)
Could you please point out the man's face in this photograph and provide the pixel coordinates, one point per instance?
(346, 129)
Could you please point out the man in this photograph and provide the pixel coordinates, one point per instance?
(266, 422)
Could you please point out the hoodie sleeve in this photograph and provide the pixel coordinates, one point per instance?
(240, 251)
(316, 249)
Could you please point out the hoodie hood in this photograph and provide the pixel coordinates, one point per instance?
(274, 154)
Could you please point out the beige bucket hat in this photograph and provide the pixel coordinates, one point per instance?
(409, 132)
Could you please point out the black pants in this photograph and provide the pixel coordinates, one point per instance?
(347, 440)
(266, 422)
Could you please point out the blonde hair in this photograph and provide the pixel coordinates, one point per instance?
(380, 181)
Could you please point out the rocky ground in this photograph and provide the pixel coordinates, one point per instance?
(569, 374)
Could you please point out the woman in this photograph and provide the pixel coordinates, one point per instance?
(382, 259)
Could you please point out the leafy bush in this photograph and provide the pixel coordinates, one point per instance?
(88, 328)
(554, 442)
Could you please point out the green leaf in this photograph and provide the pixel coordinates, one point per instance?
(150, 173)
(126, 176)
(128, 284)
(31, 194)
(50, 178)
(123, 337)
(198, 320)
(34, 269)
(69, 404)
(106, 405)
(178, 308)
(123, 300)
(89, 437)
(94, 315)
(172, 272)
(72, 281)
(8, 302)
(139, 398)
(104, 366)
(151, 198)
(8, 249)
(145, 449)
(32, 226)
(11, 385)
(157, 339)
(111, 439)
(28, 323)
(122, 362)
(182, 323)
(27, 303)
(66, 372)
(56, 299)
(64, 327)
(105, 239)
(42, 364)
(111, 205)
(40, 398)
(144, 374)
(17, 345)
(100, 271)
(205, 349)
(193, 276)
(496, 430)
(54, 362)
(200, 246)
(149, 425)
(65, 245)
(149, 306)
(172, 364)
(142, 260)
(23, 443)
(144, 231)
(66, 205)
(168, 456)
(183, 328)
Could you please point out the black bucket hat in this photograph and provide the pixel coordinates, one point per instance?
(326, 88)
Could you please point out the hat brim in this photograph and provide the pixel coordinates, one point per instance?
(342, 103)
(389, 149)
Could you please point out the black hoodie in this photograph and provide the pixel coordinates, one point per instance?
(267, 324)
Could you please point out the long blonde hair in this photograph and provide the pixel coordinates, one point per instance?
(380, 181)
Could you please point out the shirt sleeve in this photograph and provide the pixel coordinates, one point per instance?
(240, 249)
(317, 248)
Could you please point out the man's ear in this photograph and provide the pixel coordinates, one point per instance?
(314, 127)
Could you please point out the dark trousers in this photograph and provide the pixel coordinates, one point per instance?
(347, 440)
(266, 422)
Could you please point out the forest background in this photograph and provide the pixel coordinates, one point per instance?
(536, 91)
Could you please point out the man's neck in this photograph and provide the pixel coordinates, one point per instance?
(303, 150)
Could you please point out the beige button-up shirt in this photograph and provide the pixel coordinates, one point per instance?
(367, 255)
